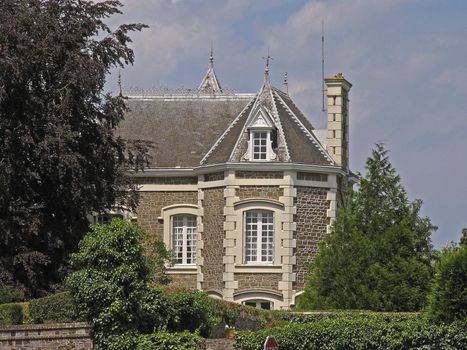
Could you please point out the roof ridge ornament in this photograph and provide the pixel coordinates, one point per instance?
(210, 82)
(211, 58)
(286, 83)
(266, 69)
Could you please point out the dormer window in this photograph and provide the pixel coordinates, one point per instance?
(262, 134)
(260, 142)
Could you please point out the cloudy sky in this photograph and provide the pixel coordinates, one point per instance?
(407, 60)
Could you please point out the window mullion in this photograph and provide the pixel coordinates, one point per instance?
(184, 240)
(259, 237)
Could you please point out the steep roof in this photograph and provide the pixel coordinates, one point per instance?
(181, 129)
(296, 141)
(200, 127)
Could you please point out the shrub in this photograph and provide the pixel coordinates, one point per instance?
(192, 311)
(110, 283)
(170, 341)
(237, 315)
(10, 294)
(56, 308)
(448, 297)
(11, 314)
(362, 333)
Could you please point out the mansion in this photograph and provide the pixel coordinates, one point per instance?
(241, 187)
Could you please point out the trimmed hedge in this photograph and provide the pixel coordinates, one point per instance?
(55, 308)
(171, 341)
(360, 333)
(14, 313)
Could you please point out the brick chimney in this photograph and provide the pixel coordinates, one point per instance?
(338, 119)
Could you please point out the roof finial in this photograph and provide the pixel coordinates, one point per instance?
(211, 57)
(266, 69)
(286, 83)
(119, 82)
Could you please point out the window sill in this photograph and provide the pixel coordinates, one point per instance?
(258, 268)
(183, 269)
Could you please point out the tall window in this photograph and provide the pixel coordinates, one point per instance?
(259, 237)
(184, 236)
(260, 140)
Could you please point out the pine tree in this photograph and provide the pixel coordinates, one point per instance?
(378, 253)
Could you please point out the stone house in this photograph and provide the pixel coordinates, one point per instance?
(241, 187)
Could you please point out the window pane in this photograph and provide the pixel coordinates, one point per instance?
(259, 236)
(184, 237)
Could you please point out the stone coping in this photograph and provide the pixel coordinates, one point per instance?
(44, 326)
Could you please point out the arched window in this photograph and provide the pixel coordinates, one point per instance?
(260, 304)
(184, 237)
(259, 236)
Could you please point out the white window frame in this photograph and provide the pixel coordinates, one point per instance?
(260, 234)
(185, 228)
(269, 153)
(257, 136)
(166, 216)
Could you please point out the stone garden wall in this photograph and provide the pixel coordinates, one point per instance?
(66, 336)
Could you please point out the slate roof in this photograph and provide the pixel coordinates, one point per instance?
(182, 130)
(211, 128)
(296, 140)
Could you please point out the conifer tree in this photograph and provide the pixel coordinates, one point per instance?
(378, 253)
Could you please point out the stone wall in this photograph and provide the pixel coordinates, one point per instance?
(257, 280)
(214, 176)
(259, 174)
(269, 192)
(184, 280)
(67, 336)
(179, 180)
(311, 222)
(150, 205)
(213, 236)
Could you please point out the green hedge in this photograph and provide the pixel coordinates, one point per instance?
(170, 341)
(360, 333)
(13, 313)
(56, 308)
(296, 317)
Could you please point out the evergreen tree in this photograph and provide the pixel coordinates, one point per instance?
(59, 156)
(378, 253)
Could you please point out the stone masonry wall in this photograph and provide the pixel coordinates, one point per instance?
(179, 180)
(66, 336)
(259, 174)
(213, 236)
(148, 212)
(214, 176)
(311, 222)
(269, 192)
(184, 280)
(256, 280)
(150, 205)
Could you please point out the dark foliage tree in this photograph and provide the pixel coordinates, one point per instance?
(378, 254)
(59, 155)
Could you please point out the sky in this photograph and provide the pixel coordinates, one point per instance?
(406, 59)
